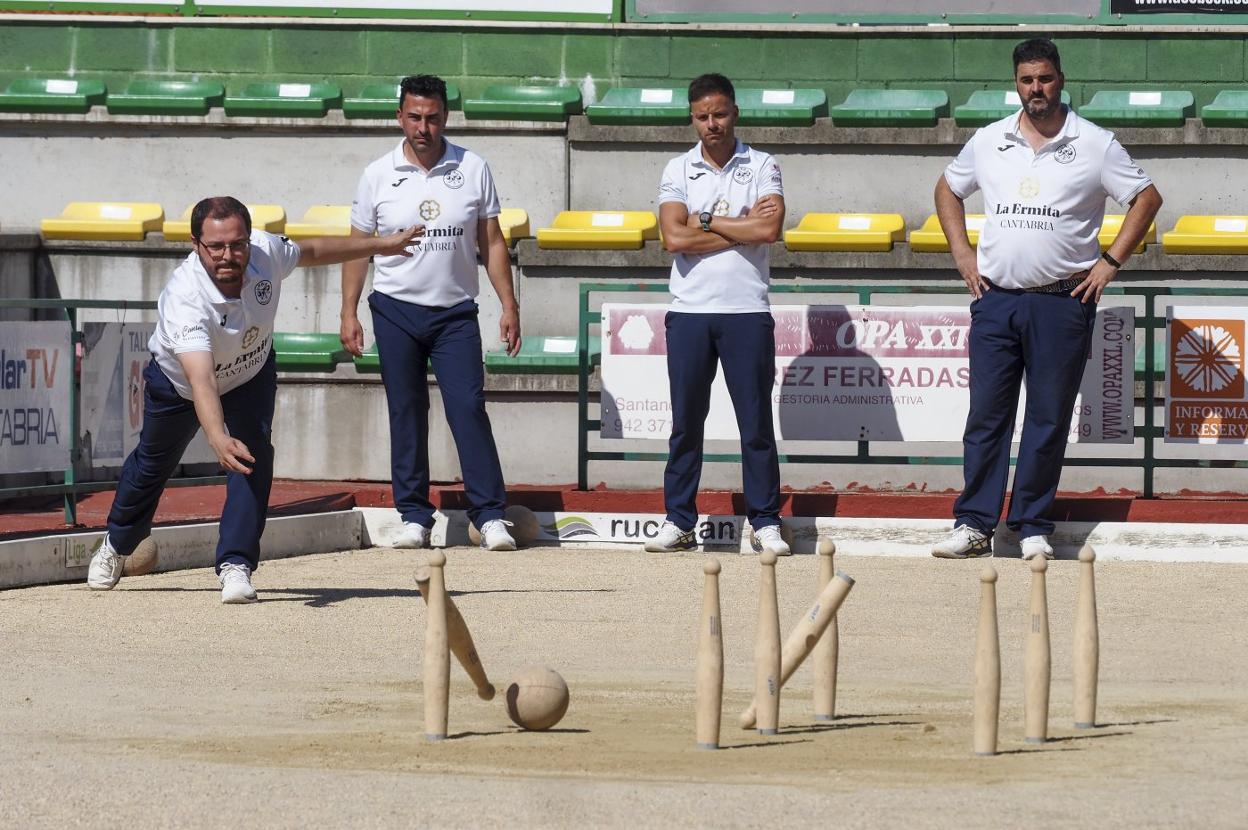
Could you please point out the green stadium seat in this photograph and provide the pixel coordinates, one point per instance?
(1159, 356)
(166, 98)
(1139, 108)
(299, 352)
(368, 363)
(1228, 109)
(781, 107)
(382, 100)
(543, 356)
(524, 103)
(51, 95)
(284, 100)
(649, 107)
(988, 105)
(891, 108)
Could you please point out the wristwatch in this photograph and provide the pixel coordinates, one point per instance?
(705, 218)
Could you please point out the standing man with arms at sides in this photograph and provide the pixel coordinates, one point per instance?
(1036, 280)
(720, 206)
(424, 308)
(213, 366)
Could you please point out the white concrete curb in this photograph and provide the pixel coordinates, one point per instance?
(64, 558)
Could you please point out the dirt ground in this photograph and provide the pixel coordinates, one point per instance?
(153, 705)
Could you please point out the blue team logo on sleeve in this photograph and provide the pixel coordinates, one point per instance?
(264, 292)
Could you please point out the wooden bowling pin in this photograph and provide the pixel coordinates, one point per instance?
(1087, 651)
(801, 640)
(710, 671)
(437, 677)
(460, 638)
(827, 649)
(987, 667)
(767, 649)
(1037, 664)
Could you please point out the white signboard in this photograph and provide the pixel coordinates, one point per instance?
(855, 373)
(113, 359)
(36, 369)
(1206, 401)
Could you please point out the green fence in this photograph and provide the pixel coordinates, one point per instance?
(1150, 431)
(71, 488)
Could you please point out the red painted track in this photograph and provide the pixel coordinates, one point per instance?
(199, 504)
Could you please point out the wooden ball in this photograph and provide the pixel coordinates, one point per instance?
(474, 535)
(142, 560)
(524, 524)
(537, 698)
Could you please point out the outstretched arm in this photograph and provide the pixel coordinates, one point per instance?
(330, 250)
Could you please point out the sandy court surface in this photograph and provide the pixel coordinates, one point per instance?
(154, 705)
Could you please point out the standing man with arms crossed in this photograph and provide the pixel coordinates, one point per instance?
(213, 366)
(424, 308)
(720, 206)
(1036, 280)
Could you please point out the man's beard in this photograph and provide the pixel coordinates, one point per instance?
(1040, 107)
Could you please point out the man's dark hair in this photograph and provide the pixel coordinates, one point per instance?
(712, 83)
(1037, 49)
(423, 86)
(218, 207)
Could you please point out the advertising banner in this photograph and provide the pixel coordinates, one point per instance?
(1206, 401)
(855, 373)
(36, 369)
(1180, 6)
(113, 359)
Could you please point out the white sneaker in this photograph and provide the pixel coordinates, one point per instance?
(494, 535)
(412, 535)
(769, 539)
(106, 567)
(1034, 546)
(236, 584)
(964, 543)
(671, 538)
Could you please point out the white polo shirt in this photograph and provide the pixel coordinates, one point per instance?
(195, 317)
(732, 281)
(1043, 209)
(448, 200)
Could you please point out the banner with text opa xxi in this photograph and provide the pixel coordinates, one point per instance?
(1206, 402)
(36, 368)
(856, 373)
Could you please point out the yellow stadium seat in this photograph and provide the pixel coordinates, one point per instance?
(116, 221)
(271, 218)
(931, 239)
(321, 220)
(600, 229)
(515, 224)
(846, 232)
(1207, 235)
(1113, 224)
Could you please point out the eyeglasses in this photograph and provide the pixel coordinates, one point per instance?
(217, 249)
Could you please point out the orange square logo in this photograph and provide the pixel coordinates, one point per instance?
(1207, 359)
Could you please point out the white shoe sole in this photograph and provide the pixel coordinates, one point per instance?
(239, 599)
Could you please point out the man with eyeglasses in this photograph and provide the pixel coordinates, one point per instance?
(213, 367)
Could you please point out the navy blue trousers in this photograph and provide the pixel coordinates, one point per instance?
(1044, 337)
(746, 347)
(169, 424)
(409, 337)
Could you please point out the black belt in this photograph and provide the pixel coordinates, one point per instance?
(1060, 287)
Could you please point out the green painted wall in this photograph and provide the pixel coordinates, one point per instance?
(472, 57)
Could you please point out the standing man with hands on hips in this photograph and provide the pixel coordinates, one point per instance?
(424, 308)
(1036, 279)
(213, 366)
(721, 205)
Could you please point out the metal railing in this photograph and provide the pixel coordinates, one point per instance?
(1150, 431)
(72, 487)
